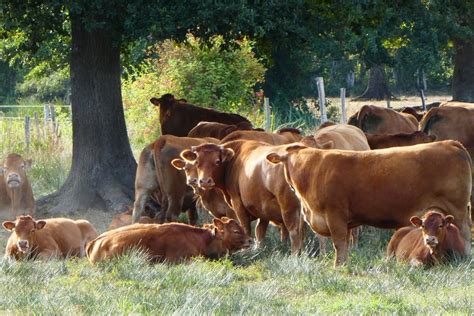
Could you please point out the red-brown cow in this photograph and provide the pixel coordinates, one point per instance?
(378, 120)
(283, 136)
(43, 239)
(155, 172)
(432, 239)
(178, 118)
(16, 194)
(252, 186)
(216, 130)
(397, 140)
(340, 190)
(173, 242)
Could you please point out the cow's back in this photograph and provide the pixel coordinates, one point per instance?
(63, 234)
(345, 137)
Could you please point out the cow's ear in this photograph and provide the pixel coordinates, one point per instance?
(226, 154)
(327, 145)
(178, 163)
(448, 219)
(9, 225)
(416, 221)
(188, 155)
(218, 224)
(28, 164)
(155, 101)
(275, 158)
(309, 141)
(40, 225)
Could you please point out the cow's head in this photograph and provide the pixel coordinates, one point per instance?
(24, 228)
(433, 226)
(231, 234)
(209, 160)
(165, 102)
(190, 171)
(13, 170)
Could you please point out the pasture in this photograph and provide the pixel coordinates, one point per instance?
(254, 281)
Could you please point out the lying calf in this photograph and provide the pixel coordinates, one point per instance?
(173, 242)
(43, 239)
(125, 218)
(433, 238)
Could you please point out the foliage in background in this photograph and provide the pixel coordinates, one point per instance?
(217, 74)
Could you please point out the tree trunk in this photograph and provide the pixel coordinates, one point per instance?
(377, 87)
(463, 76)
(103, 168)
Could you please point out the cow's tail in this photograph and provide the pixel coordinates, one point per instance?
(428, 120)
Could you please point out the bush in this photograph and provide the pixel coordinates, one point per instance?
(214, 74)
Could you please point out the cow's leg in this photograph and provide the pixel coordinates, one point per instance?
(192, 216)
(291, 220)
(242, 215)
(141, 196)
(322, 244)
(354, 236)
(339, 235)
(175, 204)
(261, 231)
(284, 234)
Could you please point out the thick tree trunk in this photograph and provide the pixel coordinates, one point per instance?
(463, 77)
(103, 168)
(377, 87)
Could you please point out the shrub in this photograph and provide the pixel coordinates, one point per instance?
(214, 74)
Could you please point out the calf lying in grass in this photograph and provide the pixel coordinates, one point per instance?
(432, 239)
(173, 242)
(43, 239)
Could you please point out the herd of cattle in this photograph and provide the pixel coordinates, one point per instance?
(387, 169)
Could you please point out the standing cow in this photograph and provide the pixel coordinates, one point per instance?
(340, 190)
(16, 194)
(378, 120)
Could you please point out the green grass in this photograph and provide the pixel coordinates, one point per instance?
(266, 281)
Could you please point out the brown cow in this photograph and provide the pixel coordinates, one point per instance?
(458, 104)
(451, 122)
(340, 190)
(16, 194)
(173, 242)
(252, 186)
(398, 140)
(412, 111)
(216, 130)
(283, 136)
(178, 118)
(125, 218)
(43, 239)
(378, 120)
(155, 172)
(432, 239)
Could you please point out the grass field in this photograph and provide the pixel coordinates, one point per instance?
(263, 281)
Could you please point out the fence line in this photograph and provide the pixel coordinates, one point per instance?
(32, 106)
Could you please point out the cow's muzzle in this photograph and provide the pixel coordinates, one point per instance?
(13, 180)
(206, 183)
(431, 241)
(23, 245)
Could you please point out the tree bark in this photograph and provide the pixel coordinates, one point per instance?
(103, 168)
(377, 87)
(463, 76)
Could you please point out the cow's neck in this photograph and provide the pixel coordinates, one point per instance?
(215, 247)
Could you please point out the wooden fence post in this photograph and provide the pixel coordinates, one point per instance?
(268, 118)
(37, 126)
(27, 132)
(46, 119)
(388, 103)
(423, 103)
(322, 99)
(343, 105)
(53, 119)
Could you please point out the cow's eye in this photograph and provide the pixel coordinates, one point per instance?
(218, 162)
(441, 225)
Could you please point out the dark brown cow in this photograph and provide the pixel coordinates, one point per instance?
(432, 239)
(16, 194)
(340, 190)
(178, 118)
(398, 140)
(155, 172)
(43, 239)
(252, 186)
(172, 242)
(412, 111)
(216, 130)
(378, 120)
